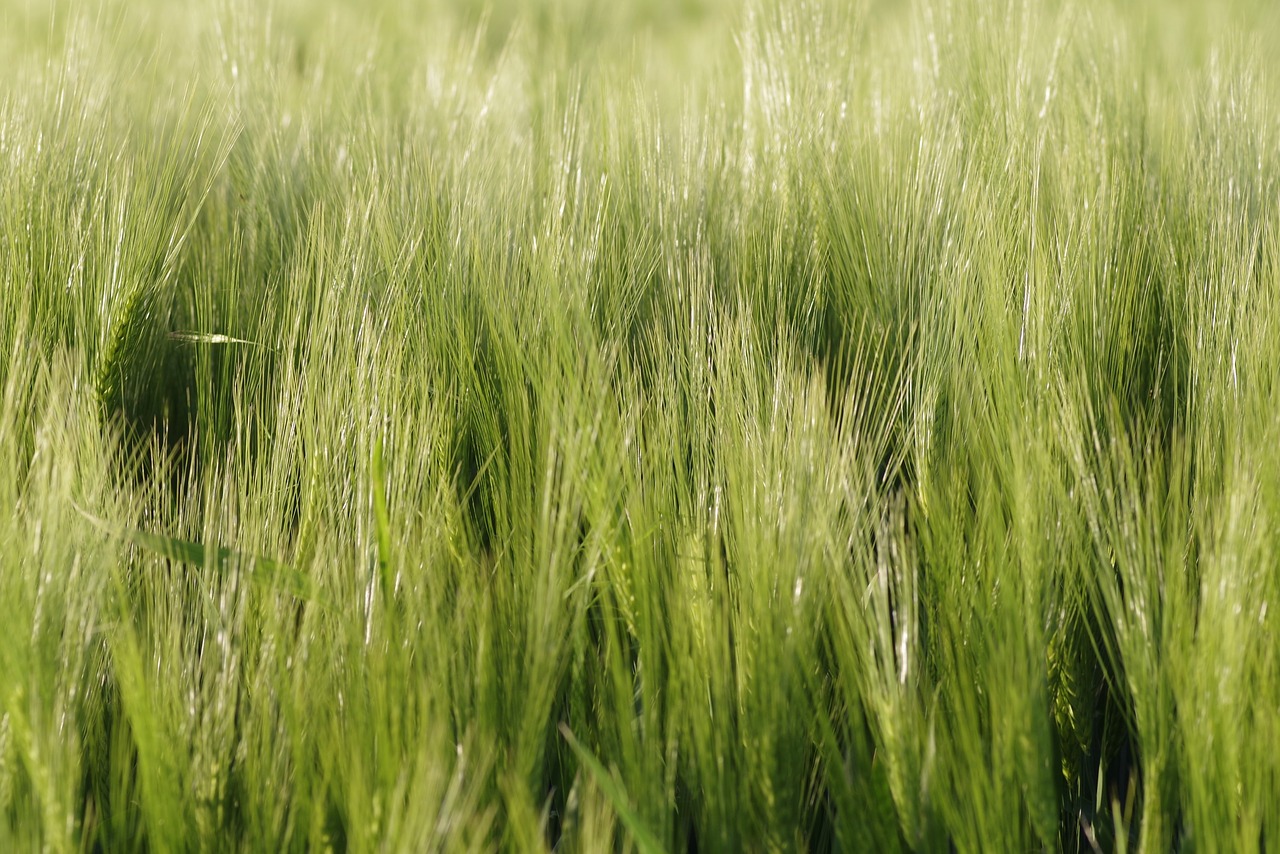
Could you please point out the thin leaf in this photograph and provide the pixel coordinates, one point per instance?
(265, 571)
(211, 338)
(616, 793)
(381, 518)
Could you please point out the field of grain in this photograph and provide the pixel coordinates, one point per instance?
(650, 425)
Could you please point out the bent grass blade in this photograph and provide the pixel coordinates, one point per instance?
(613, 789)
(267, 572)
(212, 338)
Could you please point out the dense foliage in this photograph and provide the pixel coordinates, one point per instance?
(659, 425)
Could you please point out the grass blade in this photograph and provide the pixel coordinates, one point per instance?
(616, 793)
(265, 571)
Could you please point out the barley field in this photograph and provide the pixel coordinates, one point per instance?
(650, 425)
